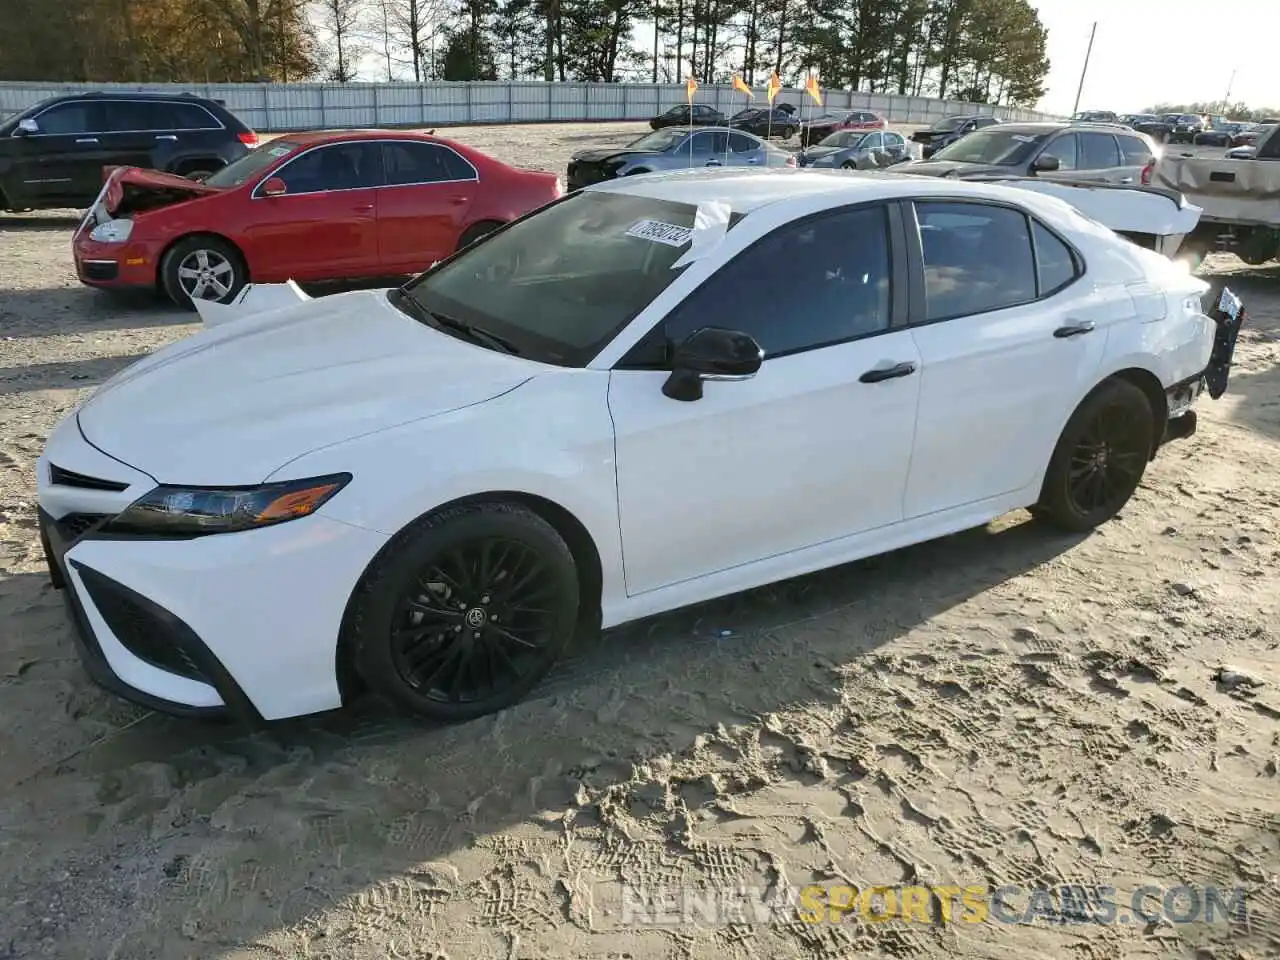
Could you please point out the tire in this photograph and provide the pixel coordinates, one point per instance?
(849, 165)
(417, 580)
(476, 231)
(1114, 423)
(216, 259)
(198, 174)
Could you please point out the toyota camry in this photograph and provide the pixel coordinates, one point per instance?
(649, 393)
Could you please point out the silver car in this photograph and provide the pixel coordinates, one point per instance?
(674, 148)
(856, 150)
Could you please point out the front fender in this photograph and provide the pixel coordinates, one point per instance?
(550, 438)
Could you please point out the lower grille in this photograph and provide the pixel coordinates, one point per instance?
(100, 269)
(142, 631)
(73, 526)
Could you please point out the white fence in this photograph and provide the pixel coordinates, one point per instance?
(277, 107)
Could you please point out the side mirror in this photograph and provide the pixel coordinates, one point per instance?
(1045, 164)
(274, 187)
(26, 127)
(711, 353)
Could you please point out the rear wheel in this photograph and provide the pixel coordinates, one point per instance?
(1100, 458)
(476, 231)
(202, 268)
(467, 612)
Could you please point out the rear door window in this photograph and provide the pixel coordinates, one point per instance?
(1135, 152)
(1098, 151)
(1066, 149)
(409, 163)
(124, 116)
(977, 258)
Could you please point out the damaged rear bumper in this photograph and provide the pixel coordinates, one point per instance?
(1229, 314)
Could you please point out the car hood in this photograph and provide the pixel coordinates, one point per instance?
(950, 168)
(815, 154)
(233, 404)
(596, 156)
(132, 189)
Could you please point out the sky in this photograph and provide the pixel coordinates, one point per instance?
(1161, 51)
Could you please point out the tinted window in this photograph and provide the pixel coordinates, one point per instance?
(873, 141)
(408, 163)
(893, 140)
(1055, 265)
(710, 142)
(343, 166)
(192, 116)
(68, 118)
(1098, 151)
(805, 285)
(125, 115)
(1136, 152)
(561, 283)
(740, 144)
(1066, 150)
(976, 258)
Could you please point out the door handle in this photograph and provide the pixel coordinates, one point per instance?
(457, 201)
(87, 140)
(1074, 329)
(888, 373)
(363, 207)
(165, 136)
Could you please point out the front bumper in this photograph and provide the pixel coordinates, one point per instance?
(245, 624)
(129, 265)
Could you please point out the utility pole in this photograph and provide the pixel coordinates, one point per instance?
(1230, 83)
(1085, 69)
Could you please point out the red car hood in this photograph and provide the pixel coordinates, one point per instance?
(134, 188)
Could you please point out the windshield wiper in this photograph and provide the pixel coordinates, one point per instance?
(473, 333)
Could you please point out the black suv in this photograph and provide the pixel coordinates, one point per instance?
(52, 154)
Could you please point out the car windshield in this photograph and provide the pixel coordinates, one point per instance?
(659, 140)
(251, 164)
(993, 146)
(841, 138)
(558, 285)
(947, 124)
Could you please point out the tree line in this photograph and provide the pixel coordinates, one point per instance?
(989, 51)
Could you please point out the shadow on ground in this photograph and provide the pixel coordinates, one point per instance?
(331, 805)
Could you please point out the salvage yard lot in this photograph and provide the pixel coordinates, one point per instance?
(1007, 706)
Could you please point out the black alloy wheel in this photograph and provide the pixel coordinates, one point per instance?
(467, 612)
(1100, 458)
(476, 620)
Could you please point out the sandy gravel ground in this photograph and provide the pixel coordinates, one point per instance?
(1006, 706)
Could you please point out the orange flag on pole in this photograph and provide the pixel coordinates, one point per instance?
(774, 87)
(690, 88)
(741, 86)
(811, 88)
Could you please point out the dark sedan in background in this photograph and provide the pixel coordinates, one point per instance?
(856, 150)
(947, 131)
(685, 115)
(1233, 134)
(1158, 128)
(766, 123)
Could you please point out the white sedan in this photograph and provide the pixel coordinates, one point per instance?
(650, 393)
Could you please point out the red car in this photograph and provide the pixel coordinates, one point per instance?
(819, 127)
(318, 206)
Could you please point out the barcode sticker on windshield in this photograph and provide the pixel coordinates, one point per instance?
(672, 234)
(1022, 138)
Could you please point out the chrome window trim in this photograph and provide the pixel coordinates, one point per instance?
(256, 195)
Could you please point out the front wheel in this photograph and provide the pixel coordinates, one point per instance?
(466, 612)
(1100, 458)
(476, 231)
(202, 268)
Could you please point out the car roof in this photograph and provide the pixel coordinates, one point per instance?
(130, 95)
(747, 189)
(312, 137)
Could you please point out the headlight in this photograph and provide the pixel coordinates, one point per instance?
(113, 231)
(196, 511)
